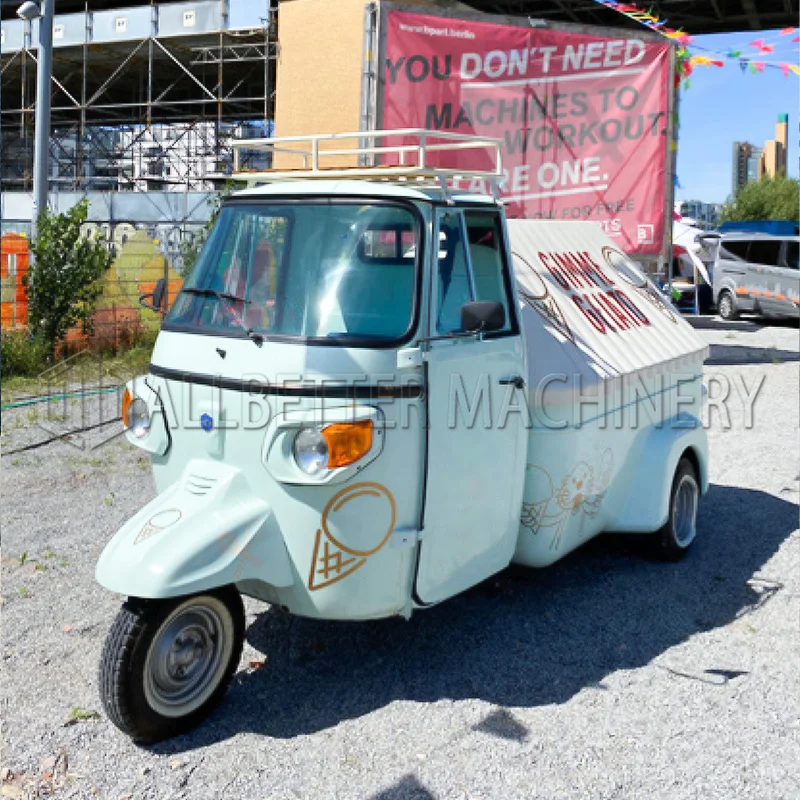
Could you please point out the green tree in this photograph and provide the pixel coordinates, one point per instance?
(63, 282)
(769, 198)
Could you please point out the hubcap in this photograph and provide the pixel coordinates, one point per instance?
(684, 515)
(725, 306)
(188, 657)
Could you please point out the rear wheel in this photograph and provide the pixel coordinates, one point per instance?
(166, 663)
(673, 540)
(727, 306)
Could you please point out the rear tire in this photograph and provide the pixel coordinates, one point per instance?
(726, 306)
(674, 539)
(166, 663)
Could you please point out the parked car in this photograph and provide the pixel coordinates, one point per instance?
(758, 273)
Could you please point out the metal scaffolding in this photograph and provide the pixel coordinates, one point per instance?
(153, 112)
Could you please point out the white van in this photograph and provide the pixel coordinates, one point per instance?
(370, 396)
(757, 273)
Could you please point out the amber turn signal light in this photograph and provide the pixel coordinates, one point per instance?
(347, 442)
(127, 399)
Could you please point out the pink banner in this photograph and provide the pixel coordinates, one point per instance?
(583, 118)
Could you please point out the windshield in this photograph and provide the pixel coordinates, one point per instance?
(312, 270)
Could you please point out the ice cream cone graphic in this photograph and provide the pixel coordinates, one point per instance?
(157, 523)
(355, 524)
(537, 496)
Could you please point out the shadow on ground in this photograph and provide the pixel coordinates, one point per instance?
(725, 355)
(751, 324)
(523, 638)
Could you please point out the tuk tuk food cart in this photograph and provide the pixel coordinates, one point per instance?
(374, 392)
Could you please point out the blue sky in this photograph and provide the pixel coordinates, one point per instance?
(725, 105)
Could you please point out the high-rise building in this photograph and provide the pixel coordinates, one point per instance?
(773, 158)
(746, 164)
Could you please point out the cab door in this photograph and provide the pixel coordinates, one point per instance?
(763, 256)
(787, 278)
(476, 440)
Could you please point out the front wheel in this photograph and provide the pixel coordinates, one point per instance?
(680, 530)
(166, 663)
(727, 306)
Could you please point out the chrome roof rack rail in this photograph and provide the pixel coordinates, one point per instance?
(413, 156)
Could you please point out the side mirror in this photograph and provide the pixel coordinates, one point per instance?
(482, 316)
(155, 301)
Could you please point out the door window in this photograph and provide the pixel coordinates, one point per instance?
(764, 251)
(489, 270)
(453, 279)
(735, 250)
(791, 258)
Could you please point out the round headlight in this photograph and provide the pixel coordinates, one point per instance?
(139, 418)
(311, 451)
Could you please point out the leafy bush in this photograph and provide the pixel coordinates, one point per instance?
(63, 283)
(22, 355)
(769, 198)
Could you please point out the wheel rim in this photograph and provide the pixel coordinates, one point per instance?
(684, 515)
(725, 305)
(188, 657)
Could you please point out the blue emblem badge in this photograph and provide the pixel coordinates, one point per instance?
(206, 423)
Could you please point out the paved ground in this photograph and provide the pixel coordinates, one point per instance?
(605, 676)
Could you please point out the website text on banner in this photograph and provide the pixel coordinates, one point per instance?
(583, 118)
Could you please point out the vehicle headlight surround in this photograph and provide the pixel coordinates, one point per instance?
(310, 450)
(135, 415)
(317, 450)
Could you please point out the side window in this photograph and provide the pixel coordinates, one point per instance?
(734, 249)
(764, 251)
(453, 284)
(791, 257)
(488, 268)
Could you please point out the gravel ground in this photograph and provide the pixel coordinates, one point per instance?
(604, 676)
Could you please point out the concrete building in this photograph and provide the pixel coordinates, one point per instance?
(746, 163)
(773, 157)
(705, 215)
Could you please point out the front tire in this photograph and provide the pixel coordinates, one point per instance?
(675, 538)
(727, 306)
(166, 663)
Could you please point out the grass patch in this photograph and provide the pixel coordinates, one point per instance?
(78, 714)
(123, 366)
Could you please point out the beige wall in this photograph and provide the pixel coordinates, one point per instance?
(318, 87)
(320, 62)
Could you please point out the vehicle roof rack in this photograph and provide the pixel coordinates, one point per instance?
(412, 159)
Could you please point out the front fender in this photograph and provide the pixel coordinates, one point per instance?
(204, 531)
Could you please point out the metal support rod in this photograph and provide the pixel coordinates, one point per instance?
(44, 71)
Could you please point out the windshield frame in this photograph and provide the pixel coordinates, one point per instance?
(364, 342)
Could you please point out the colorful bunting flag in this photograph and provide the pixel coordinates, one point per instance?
(686, 61)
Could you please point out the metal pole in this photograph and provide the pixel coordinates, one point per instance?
(44, 72)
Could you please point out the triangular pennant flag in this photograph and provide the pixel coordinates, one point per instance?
(767, 48)
(743, 64)
(787, 31)
(796, 39)
(794, 68)
(753, 68)
(759, 65)
(759, 43)
(734, 53)
(785, 70)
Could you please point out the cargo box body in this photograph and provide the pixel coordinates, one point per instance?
(614, 389)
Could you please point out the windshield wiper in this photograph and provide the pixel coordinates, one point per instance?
(249, 332)
(215, 293)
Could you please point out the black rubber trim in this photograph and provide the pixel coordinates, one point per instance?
(414, 591)
(396, 391)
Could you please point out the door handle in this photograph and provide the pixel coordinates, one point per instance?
(517, 382)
